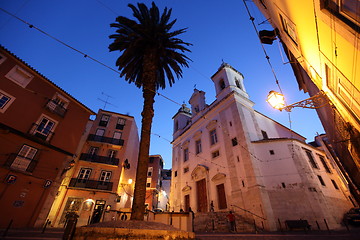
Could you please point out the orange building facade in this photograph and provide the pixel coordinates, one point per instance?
(40, 128)
(102, 181)
(153, 183)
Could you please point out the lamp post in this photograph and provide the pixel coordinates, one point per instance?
(277, 101)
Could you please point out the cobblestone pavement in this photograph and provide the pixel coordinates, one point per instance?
(32, 234)
(344, 235)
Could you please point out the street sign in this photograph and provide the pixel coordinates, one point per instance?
(18, 203)
(47, 183)
(11, 179)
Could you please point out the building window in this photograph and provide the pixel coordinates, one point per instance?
(120, 123)
(44, 128)
(175, 174)
(100, 132)
(186, 154)
(222, 84)
(237, 83)
(24, 160)
(329, 78)
(289, 28)
(230, 123)
(323, 161)
(335, 185)
(2, 58)
(271, 152)
(93, 151)
(151, 160)
(321, 180)
(215, 154)
(150, 171)
(104, 120)
(311, 158)
(238, 159)
(213, 137)
(105, 176)
(197, 109)
(117, 135)
(348, 11)
(198, 148)
(112, 153)
(234, 141)
(186, 169)
(19, 76)
(264, 134)
(148, 182)
(5, 101)
(283, 185)
(84, 174)
(176, 125)
(58, 104)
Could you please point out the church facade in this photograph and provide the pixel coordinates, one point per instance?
(227, 156)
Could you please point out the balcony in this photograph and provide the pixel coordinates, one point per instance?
(20, 163)
(99, 159)
(41, 132)
(56, 108)
(90, 184)
(113, 141)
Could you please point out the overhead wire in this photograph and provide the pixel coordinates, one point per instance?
(271, 66)
(18, 10)
(114, 70)
(80, 52)
(252, 19)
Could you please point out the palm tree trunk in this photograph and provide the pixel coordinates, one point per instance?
(149, 87)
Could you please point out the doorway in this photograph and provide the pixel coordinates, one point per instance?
(98, 211)
(202, 205)
(187, 202)
(221, 196)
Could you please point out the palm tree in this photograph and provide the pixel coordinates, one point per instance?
(149, 52)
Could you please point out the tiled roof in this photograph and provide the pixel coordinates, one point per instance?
(52, 83)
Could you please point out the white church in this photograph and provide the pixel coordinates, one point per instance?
(227, 156)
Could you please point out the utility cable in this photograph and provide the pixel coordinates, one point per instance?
(80, 52)
(262, 46)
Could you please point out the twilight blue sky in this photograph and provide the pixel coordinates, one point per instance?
(218, 30)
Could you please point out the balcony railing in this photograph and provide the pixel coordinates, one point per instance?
(99, 159)
(91, 184)
(20, 163)
(56, 108)
(41, 132)
(97, 138)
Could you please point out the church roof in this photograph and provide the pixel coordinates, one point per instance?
(224, 65)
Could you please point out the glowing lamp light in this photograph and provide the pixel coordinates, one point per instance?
(130, 181)
(276, 100)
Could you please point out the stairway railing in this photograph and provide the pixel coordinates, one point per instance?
(248, 212)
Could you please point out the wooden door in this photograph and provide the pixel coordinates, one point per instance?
(221, 196)
(202, 205)
(187, 202)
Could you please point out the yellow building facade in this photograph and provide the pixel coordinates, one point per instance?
(101, 183)
(322, 41)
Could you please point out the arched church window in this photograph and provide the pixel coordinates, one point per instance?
(238, 83)
(222, 84)
(176, 125)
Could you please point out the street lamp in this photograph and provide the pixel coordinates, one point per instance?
(277, 101)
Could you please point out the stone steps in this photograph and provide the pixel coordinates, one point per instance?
(217, 222)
